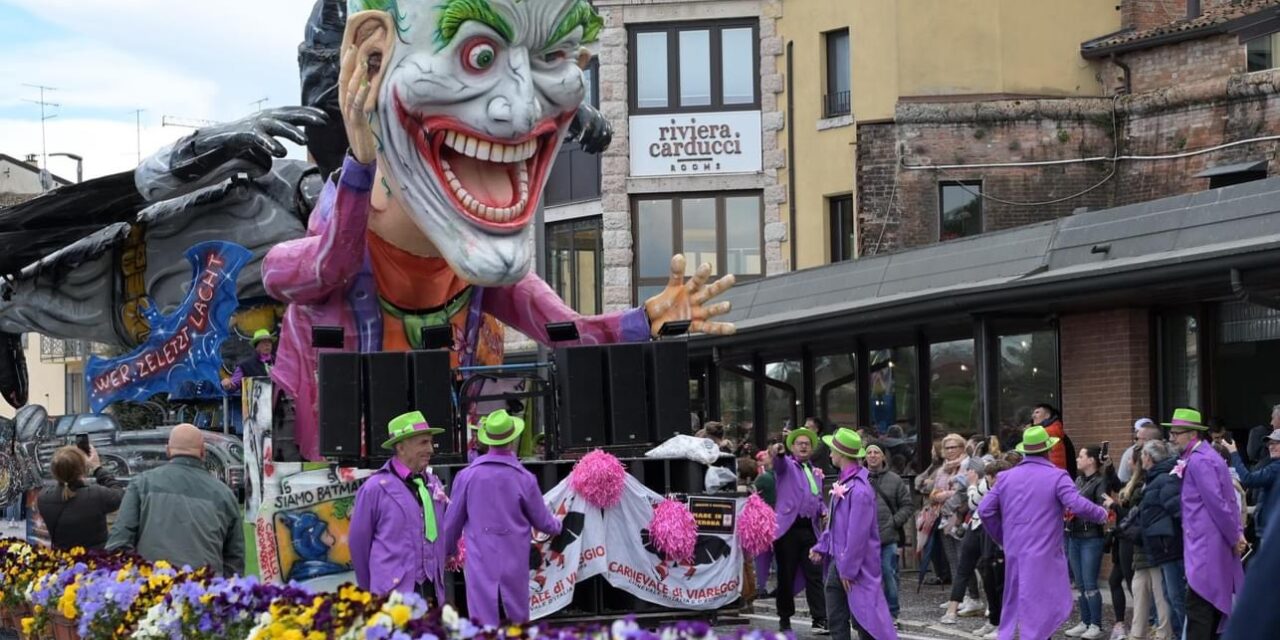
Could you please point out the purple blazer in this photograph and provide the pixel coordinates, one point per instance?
(1023, 513)
(387, 538)
(1210, 527)
(494, 507)
(852, 542)
(795, 500)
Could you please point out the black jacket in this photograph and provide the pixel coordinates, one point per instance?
(894, 507)
(82, 520)
(1161, 514)
(1093, 488)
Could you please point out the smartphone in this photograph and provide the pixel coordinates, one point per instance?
(82, 441)
(1104, 452)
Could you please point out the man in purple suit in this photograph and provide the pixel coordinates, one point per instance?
(494, 505)
(394, 538)
(800, 511)
(1212, 534)
(1023, 513)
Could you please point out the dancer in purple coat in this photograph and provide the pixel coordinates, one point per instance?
(494, 505)
(1023, 513)
(1212, 534)
(800, 510)
(395, 538)
(851, 547)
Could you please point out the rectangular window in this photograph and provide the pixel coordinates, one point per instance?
(960, 209)
(721, 229)
(1028, 375)
(1261, 52)
(953, 388)
(839, 87)
(691, 67)
(844, 237)
(575, 263)
(575, 177)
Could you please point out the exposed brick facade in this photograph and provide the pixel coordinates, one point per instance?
(1178, 64)
(1106, 380)
(1176, 120)
(1144, 14)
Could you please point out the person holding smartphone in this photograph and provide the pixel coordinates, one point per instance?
(74, 511)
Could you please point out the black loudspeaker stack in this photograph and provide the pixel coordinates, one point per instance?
(361, 393)
(623, 394)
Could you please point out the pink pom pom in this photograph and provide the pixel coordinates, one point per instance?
(673, 530)
(756, 526)
(455, 562)
(599, 478)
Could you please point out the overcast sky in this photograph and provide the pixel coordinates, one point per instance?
(191, 59)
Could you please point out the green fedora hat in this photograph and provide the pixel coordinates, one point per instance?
(1036, 440)
(407, 425)
(499, 428)
(846, 442)
(260, 335)
(802, 431)
(1186, 420)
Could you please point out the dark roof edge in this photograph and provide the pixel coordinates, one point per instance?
(1001, 294)
(34, 169)
(1212, 28)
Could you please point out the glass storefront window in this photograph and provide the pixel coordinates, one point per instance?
(1180, 366)
(781, 405)
(835, 381)
(737, 405)
(1028, 375)
(893, 390)
(953, 388)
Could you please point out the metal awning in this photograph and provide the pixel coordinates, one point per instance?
(1227, 169)
(1158, 249)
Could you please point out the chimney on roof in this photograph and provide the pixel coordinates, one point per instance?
(31, 158)
(1193, 9)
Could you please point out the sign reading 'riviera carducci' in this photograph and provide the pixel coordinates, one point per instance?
(691, 144)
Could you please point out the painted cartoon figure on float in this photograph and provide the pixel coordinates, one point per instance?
(454, 112)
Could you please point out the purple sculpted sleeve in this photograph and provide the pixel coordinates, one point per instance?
(360, 534)
(535, 508)
(530, 304)
(1214, 483)
(308, 269)
(1081, 506)
(824, 543)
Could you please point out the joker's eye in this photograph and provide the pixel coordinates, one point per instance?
(552, 57)
(479, 54)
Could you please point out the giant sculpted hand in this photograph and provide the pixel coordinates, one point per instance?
(688, 301)
(359, 80)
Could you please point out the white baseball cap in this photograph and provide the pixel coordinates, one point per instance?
(1143, 422)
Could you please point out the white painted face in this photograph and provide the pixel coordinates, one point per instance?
(476, 99)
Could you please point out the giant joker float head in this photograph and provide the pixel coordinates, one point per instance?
(467, 101)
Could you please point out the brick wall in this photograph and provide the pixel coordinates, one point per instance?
(1168, 122)
(877, 168)
(1106, 382)
(1144, 14)
(1191, 61)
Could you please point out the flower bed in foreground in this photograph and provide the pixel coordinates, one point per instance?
(99, 595)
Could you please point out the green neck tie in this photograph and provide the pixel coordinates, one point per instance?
(808, 473)
(428, 509)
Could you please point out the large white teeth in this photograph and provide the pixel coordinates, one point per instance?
(490, 151)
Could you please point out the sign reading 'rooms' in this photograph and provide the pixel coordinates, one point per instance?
(693, 144)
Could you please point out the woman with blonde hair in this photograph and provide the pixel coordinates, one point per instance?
(75, 512)
(950, 494)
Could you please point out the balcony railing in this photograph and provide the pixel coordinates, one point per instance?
(836, 104)
(56, 350)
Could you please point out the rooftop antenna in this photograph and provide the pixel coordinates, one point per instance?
(137, 115)
(258, 103)
(188, 123)
(44, 149)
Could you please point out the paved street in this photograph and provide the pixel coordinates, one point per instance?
(919, 617)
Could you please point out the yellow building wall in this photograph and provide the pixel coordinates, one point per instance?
(903, 48)
(47, 381)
